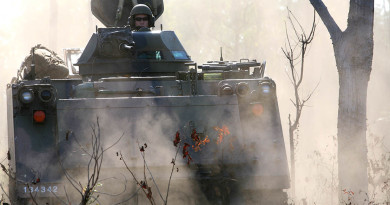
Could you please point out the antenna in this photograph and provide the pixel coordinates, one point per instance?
(221, 59)
(32, 66)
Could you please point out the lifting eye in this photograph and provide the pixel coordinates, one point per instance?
(26, 96)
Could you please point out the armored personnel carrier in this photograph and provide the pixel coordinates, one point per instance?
(140, 123)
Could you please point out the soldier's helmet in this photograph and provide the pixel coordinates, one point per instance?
(141, 9)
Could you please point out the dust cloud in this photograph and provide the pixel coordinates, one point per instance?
(253, 29)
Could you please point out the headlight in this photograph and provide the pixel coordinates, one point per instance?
(242, 89)
(26, 96)
(265, 88)
(46, 95)
(226, 89)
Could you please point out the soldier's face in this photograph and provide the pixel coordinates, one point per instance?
(141, 20)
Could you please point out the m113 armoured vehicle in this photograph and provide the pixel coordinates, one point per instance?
(138, 94)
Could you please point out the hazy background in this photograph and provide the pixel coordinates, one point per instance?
(253, 29)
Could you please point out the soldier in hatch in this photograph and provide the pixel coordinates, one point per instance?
(141, 17)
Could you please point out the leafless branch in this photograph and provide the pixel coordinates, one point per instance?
(132, 196)
(117, 194)
(310, 94)
(296, 77)
(2, 188)
(35, 180)
(303, 40)
(173, 168)
(334, 30)
(66, 194)
(31, 196)
(289, 14)
(141, 185)
(7, 172)
(95, 163)
(93, 167)
(79, 144)
(72, 181)
(150, 173)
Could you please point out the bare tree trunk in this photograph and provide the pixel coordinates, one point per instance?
(292, 159)
(352, 146)
(353, 52)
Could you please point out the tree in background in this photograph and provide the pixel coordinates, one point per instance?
(296, 52)
(353, 50)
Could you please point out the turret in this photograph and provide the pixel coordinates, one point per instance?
(119, 51)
